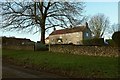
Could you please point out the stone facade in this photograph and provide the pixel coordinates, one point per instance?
(47, 40)
(75, 38)
(86, 50)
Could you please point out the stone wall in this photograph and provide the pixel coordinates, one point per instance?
(20, 47)
(86, 50)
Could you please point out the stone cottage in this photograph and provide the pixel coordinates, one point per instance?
(70, 35)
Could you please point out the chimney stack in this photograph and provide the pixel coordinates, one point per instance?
(54, 29)
(86, 24)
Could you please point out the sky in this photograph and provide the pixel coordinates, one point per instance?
(110, 9)
(119, 15)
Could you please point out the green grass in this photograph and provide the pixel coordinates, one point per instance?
(67, 64)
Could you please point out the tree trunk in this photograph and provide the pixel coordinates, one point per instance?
(43, 29)
(43, 35)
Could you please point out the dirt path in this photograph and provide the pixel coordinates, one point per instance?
(10, 71)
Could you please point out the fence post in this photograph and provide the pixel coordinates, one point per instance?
(49, 46)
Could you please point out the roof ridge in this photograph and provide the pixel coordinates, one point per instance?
(69, 30)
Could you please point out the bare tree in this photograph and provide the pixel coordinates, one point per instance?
(114, 28)
(111, 29)
(98, 24)
(42, 14)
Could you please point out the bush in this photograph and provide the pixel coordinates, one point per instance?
(40, 47)
(116, 38)
(71, 43)
(94, 41)
(110, 42)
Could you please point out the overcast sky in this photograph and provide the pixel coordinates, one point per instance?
(110, 9)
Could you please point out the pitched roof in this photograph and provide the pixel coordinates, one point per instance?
(69, 30)
(47, 37)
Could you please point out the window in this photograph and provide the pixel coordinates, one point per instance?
(87, 34)
(59, 40)
(52, 39)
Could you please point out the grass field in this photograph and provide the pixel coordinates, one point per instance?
(67, 64)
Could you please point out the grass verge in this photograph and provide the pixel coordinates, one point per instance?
(65, 64)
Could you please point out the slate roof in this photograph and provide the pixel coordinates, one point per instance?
(69, 30)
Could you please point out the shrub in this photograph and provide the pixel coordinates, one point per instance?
(116, 38)
(110, 42)
(94, 41)
(40, 47)
(71, 43)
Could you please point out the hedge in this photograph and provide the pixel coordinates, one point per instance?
(94, 41)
